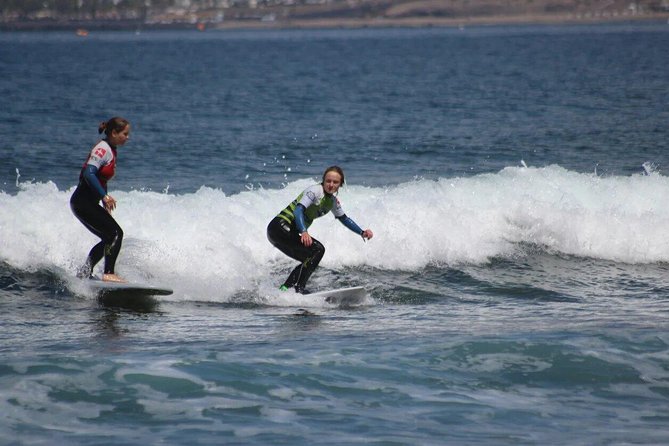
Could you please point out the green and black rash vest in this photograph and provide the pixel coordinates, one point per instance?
(316, 203)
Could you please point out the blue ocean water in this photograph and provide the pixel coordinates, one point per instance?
(518, 279)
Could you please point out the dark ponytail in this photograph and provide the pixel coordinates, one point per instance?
(116, 124)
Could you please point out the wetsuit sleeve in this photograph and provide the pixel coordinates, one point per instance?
(299, 218)
(90, 175)
(349, 223)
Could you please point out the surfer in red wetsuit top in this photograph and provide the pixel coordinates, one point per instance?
(98, 169)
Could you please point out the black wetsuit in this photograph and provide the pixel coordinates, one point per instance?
(284, 231)
(85, 204)
(286, 237)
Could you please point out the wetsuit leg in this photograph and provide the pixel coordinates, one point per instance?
(287, 240)
(97, 220)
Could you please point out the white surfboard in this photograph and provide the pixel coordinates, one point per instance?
(127, 288)
(341, 296)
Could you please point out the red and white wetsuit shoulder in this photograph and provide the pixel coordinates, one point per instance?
(103, 157)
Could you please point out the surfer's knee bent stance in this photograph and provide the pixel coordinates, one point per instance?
(97, 171)
(300, 275)
(289, 230)
(97, 220)
(113, 244)
(286, 238)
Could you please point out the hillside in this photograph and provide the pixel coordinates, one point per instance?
(204, 14)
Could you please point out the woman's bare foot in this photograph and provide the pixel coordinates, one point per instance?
(112, 278)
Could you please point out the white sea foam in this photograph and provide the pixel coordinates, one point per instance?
(207, 242)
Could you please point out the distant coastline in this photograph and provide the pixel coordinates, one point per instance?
(414, 22)
(281, 14)
(405, 22)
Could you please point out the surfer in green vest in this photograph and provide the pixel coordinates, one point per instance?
(288, 231)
